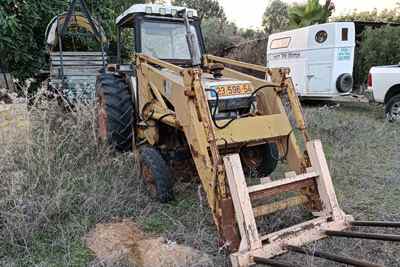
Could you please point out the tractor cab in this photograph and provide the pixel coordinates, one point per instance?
(173, 34)
(159, 31)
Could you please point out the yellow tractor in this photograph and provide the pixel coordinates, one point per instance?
(177, 106)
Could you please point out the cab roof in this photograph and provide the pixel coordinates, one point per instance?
(154, 9)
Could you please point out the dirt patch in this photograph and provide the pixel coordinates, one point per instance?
(124, 242)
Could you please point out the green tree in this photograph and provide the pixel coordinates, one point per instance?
(378, 47)
(386, 15)
(276, 17)
(206, 8)
(22, 27)
(219, 35)
(23, 24)
(301, 15)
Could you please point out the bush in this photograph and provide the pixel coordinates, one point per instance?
(219, 35)
(378, 47)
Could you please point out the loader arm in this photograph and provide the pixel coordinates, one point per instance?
(176, 97)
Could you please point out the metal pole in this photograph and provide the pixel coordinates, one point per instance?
(274, 263)
(68, 17)
(376, 224)
(89, 17)
(333, 257)
(119, 45)
(382, 237)
(61, 53)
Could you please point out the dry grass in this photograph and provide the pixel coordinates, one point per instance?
(55, 189)
(58, 188)
(364, 155)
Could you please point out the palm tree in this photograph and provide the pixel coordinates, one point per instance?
(311, 13)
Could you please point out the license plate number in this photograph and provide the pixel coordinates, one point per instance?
(235, 89)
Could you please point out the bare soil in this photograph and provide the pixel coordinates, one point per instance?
(124, 243)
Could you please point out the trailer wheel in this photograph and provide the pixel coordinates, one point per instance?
(156, 174)
(344, 83)
(392, 109)
(115, 119)
(262, 159)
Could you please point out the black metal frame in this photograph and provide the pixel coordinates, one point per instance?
(85, 12)
(70, 13)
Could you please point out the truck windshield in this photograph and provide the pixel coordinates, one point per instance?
(166, 40)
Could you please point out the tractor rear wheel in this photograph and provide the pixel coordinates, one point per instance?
(262, 159)
(115, 109)
(156, 174)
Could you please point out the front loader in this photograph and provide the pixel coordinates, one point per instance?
(177, 106)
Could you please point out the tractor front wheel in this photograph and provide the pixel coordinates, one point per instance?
(156, 174)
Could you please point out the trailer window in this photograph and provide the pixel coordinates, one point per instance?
(280, 43)
(345, 34)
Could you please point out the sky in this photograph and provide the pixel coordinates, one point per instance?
(248, 14)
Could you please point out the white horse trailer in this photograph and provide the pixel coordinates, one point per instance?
(320, 57)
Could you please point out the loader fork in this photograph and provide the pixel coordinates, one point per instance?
(330, 218)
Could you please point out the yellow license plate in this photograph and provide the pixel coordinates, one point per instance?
(233, 89)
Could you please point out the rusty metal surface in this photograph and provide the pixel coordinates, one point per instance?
(228, 222)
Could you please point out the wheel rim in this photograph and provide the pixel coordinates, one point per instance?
(102, 119)
(149, 180)
(395, 111)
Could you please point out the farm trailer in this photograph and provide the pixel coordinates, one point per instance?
(73, 73)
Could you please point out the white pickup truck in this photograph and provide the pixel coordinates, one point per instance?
(384, 82)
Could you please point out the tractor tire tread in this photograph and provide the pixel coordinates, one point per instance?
(119, 108)
(160, 171)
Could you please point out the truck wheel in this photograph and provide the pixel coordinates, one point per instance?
(392, 109)
(114, 112)
(262, 159)
(156, 174)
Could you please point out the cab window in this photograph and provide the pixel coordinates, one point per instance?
(166, 40)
